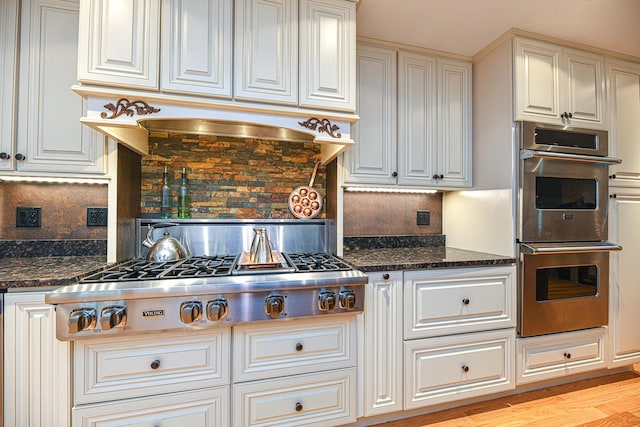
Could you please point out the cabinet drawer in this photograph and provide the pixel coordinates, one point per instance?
(324, 399)
(455, 301)
(551, 356)
(295, 347)
(446, 369)
(109, 369)
(206, 408)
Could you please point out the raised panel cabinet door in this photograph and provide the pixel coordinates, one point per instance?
(585, 87)
(624, 130)
(37, 380)
(624, 316)
(417, 118)
(9, 24)
(266, 51)
(454, 124)
(373, 157)
(200, 408)
(382, 377)
(537, 81)
(120, 42)
(196, 47)
(50, 136)
(327, 54)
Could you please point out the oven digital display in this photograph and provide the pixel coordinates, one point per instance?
(556, 283)
(566, 193)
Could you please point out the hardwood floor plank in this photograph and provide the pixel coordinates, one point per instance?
(617, 420)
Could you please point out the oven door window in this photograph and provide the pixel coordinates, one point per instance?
(557, 283)
(566, 193)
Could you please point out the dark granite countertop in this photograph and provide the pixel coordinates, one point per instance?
(32, 272)
(419, 258)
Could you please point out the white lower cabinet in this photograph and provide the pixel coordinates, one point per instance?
(321, 399)
(551, 356)
(36, 365)
(445, 369)
(204, 408)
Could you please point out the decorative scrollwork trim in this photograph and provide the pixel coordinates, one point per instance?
(322, 125)
(124, 106)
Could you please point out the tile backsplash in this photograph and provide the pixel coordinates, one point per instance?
(229, 177)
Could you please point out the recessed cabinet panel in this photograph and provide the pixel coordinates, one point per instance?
(266, 46)
(585, 86)
(537, 73)
(9, 24)
(373, 157)
(196, 46)
(327, 49)
(120, 42)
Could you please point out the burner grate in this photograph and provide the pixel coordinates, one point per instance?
(305, 262)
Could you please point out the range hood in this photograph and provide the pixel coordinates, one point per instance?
(129, 117)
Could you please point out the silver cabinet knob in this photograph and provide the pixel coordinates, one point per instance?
(190, 311)
(217, 309)
(273, 306)
(110, 317)
(82, 319)
(326, 301)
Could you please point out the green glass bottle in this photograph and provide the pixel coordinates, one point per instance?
(184, 203)
(165, 202)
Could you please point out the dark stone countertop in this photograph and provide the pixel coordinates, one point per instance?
(32, 272)
(420, 258)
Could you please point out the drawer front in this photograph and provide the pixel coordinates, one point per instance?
(446, 369)
(116, 368)
(325, 399)
(206, 408)
(551, 356)
(458, 301)
(294, 347)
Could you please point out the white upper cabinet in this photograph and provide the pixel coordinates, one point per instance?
(196, 47)
(559, 85)
(430, 143)
(327, 54)
(42, 133)
(267, 50)
(624, 133)
(120, 42)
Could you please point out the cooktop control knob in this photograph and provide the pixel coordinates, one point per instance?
(326, 301)
(82, 319)
(347, 300)
(217, 309)
(110, 317)
(273, 306)
(190, 311)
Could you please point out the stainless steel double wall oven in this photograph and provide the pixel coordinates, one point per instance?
(562, 232)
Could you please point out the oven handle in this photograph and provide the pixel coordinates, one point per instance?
(530, 154)
(539, 249)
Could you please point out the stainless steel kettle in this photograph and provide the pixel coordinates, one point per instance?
(166, 248)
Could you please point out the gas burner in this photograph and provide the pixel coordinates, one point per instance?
(203, 266)
(318, 261)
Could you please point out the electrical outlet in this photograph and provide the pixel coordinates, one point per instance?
(96, 217)
(27, 216)
(423, 217)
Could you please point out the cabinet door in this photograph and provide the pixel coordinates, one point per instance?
(196, 47)
(454, 124)
(327, 54)
(50, 136)
(584, 88)
(120, 42)
(201, 408)
(624, 316)
(372, 159)
(537, 81)
(624, 133)
(9, 19)
(266, 50)
(417, 115)
(36, 365)
(382, 377)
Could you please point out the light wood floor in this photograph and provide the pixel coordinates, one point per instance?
(611, 401)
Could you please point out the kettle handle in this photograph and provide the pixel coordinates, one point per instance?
(148, 241)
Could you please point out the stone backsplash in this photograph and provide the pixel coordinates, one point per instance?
(229, 177)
